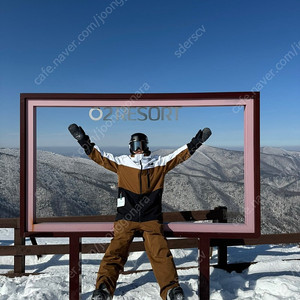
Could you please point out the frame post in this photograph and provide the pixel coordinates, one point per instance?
(19, 260)
(75, 267)
(203, 260)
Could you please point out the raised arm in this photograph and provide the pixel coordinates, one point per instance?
(185, 152)
(107, 160)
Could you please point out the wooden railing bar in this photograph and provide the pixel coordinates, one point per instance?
(183, 243)
(181, 216)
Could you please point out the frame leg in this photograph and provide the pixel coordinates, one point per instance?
(203, 260)
(19, 260)
(75, 267)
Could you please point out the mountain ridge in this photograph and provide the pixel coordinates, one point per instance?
(211, 177)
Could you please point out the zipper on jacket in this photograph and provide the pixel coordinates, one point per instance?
(141, 178)
(141, 187)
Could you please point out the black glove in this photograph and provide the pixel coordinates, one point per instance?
(198, 140)
(83, 139)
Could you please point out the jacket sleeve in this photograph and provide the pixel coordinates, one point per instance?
(106, 160)
(175, 158)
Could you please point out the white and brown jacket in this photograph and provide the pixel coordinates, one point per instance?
(140, 181)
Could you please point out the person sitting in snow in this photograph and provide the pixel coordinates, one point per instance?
(139, 209)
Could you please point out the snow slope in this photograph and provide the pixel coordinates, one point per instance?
(274, 276)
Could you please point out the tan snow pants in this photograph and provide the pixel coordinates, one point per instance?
(157, 250)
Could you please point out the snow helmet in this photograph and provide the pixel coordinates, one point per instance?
(139, 141)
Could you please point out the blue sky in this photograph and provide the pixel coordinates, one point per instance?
(121, 46)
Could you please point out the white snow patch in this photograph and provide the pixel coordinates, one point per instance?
(275, 275)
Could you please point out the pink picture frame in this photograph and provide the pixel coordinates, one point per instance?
(248, 101)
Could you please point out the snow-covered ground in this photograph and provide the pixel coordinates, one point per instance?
(275, 275)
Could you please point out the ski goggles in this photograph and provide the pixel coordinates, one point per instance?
(136, 145)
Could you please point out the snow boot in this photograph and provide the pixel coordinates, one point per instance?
(175, 293)
(102, 293)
